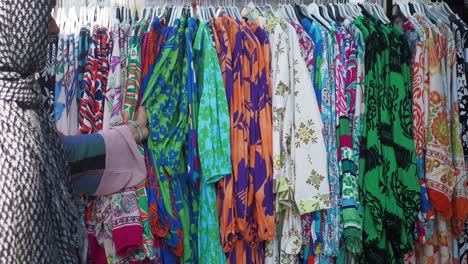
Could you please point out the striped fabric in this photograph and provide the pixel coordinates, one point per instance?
(134, 71)
(95, 82)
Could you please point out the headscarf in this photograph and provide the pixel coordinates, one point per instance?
(23, 47)
(39, 221)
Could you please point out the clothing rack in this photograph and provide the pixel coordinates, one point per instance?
(312, 86)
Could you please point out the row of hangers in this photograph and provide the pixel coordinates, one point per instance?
(167, 12)
(75, 13)
(199, 9)
(323, 13)
(71, 14)
(435, 11)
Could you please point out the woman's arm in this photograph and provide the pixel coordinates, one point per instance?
(109, 161)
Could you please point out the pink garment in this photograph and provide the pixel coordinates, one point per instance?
(97, 254)
(125, 165)
(127, 229)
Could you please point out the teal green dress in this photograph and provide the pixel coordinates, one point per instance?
(213, 142)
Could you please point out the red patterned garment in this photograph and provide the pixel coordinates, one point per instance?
(95, 82)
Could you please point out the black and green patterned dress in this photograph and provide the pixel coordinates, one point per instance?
(388, 180)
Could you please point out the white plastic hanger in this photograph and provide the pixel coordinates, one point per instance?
(100, 17)
(404, 9)
(74, 18)
(313, 10)
(83, 19)
(236, 12)
(355, 10)
(446, 8)
(176, 14)
(287, 12)
(293, 14)
(439, 12)
(143, 14)
(380, 14)
(345, 12)
(326, 15)
(163, 12)
(282, 11)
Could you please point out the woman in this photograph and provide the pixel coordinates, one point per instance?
(39, 221)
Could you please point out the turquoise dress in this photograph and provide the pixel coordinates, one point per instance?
(213, 142)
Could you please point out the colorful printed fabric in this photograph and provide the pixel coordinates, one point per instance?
(462, 245)
(159, 216)
(305, 132)
(460, 193)
(438, 161)
(263, 186)
(60, 93)
(355, 70)
(46, 80)
(324, 86)
(330, 220)
(113, 94)
(72, 87)
(154, 46)
(83, 51)
(242, 233)
(214, 143)
(193, 158)
(281, 249)
(66, 114)
(225, 48)
(460, 35)
(134, 71)
(301, 127)
(117, 229)
(124, 57)
(323, 231)
(95, 82)
(190, 189)
(419, 69)
(345, 91)
(439, 247)
(167, 106)
(307, 46)
(316, 33)
(147, 249)
(309, 52)
(390, 187)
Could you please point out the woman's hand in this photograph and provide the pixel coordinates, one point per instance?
(142, 121)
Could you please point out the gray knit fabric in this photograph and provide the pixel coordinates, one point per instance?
(38, 218)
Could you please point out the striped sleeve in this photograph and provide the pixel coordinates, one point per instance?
(104, 163)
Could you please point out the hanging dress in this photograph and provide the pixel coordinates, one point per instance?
(214, 143)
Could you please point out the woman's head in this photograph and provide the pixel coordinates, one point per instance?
(24, 27)
(54, 30)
